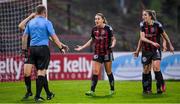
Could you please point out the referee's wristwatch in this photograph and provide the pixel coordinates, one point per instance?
(61, 48)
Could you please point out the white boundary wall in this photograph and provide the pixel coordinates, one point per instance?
(126, 67)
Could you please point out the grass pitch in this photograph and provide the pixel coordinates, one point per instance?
(74, 92)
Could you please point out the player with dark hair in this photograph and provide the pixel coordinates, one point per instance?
(104, 40)
(150, 33)
(39, 29)
(27, 67)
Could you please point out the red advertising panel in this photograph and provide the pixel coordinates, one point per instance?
(11, 68)
(70, 66)
(61, 67)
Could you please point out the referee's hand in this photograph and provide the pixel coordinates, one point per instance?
(65, 47)
(62, 51)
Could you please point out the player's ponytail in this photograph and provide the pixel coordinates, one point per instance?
(103, 17)
(152, 13)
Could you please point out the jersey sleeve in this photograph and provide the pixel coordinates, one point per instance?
(161, 29)
(142, 29)
(110, 31)
(50, 28)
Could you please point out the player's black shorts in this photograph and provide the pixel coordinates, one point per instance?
(148, 56)
(40, 56)
(27, 56)
(103, 58)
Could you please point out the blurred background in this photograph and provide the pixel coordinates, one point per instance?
(74, 19)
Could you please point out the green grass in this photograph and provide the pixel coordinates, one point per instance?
(73, 92)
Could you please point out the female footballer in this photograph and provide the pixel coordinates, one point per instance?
(104, 40)
(150, 34)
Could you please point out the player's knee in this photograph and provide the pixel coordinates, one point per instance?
(96, 72)
(108, 72)
(146, 69)
(41, 72)
(156, 68)
(27, 74)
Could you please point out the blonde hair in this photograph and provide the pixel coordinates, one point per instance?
(103, 17)
(151, 13)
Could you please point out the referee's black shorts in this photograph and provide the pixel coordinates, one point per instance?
(40, 56)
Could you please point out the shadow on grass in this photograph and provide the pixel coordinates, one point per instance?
(29, 101)
(101, 96)
(153, 95)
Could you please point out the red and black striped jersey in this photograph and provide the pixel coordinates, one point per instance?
(102, 38)
(152, 32)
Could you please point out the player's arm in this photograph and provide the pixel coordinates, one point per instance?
(164, 43)
(22, 27)
(25, 38)
(136, 53)
(87, 44)
(23, 22)
(144, 39)
(169, 42)
(113, 42)
(139, 46)
(24, 41)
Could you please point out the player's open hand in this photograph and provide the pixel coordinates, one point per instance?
(78, 48)
(156, 45)
(136, 54)
(171, 49)
(164, 49)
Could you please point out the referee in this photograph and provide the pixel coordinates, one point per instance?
(40, 29)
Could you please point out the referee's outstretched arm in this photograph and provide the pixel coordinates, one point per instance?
(60, 45)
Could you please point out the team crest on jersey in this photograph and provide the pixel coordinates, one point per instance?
(102, 32)
(95, 56)
(144, 59)
(152, 30)
(96, 32)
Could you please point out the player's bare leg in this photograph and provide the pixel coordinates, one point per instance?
(96, 69)
(27, 80)
(108, 68)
